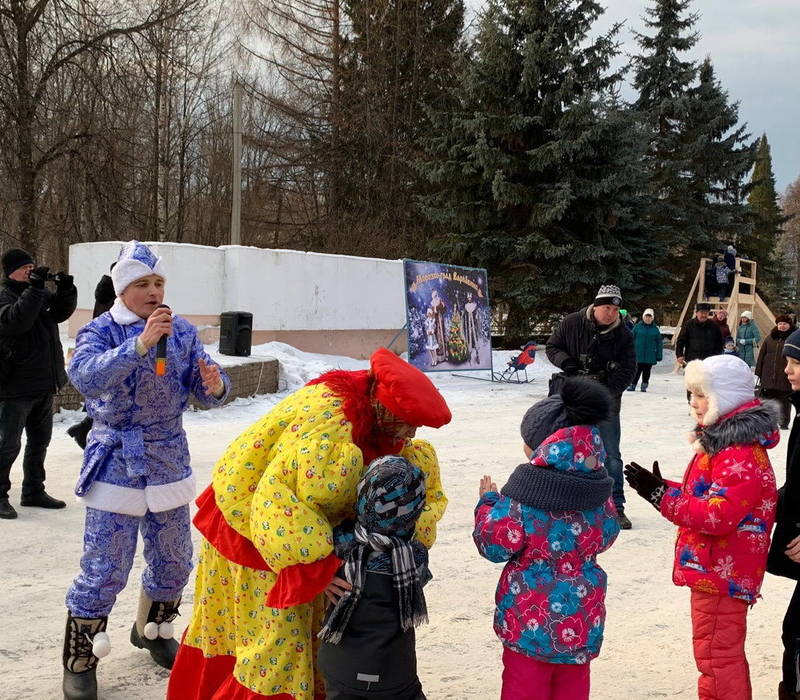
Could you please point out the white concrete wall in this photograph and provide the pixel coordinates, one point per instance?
(194, 273)
(285, 290)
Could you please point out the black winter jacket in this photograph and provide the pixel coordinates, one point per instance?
(697, 340)
(374, 647)
(104, 296)
(31, 356)
(787, 523)
(609, 353)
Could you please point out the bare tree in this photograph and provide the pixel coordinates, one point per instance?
(44, 46)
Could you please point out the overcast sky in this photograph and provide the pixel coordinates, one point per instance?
(754, 47)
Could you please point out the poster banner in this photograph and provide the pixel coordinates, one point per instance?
(448, 317)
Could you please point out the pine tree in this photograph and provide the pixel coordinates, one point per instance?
(760, 242)
(398, 57)
(719, 158)
(663, 81)
(535, 172)
(456, 347)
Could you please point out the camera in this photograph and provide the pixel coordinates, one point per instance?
(51, 277)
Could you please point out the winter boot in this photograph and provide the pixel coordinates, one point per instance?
(622, 519)
(85, 642)
(631, 387)
(7, 511)
(785, 694)
(644, 387)
(80, 431)
(153, 629)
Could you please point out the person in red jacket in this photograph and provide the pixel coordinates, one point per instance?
(724, 509)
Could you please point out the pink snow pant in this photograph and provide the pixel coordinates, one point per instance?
(719, 627)
(525, 678)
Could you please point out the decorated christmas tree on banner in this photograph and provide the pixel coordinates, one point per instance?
(456, 346)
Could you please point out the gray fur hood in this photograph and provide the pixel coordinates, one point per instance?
(757, 423)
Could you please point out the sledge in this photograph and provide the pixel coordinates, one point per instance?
(516, 371)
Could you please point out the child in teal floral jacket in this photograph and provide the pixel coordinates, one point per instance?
(549, 523)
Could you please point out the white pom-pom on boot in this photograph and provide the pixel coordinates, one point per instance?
(153, 629)
(101, 645)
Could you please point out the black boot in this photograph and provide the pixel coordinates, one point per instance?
(7, 511)
(85, 642)
(41, 500)
(79, 431)
(785, 694)
(153, 629)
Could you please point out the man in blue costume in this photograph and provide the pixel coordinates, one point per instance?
(136, 471)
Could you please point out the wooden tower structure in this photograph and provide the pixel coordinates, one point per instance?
(743, 297)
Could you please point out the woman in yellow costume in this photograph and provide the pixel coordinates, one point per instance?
(267, 558)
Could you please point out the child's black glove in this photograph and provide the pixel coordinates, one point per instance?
(649, 485)
(570, 366)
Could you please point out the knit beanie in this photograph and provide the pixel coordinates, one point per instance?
(582, 401)
(14, 259)
(134, 262)
(391, 496)
(609, 293)
(648, 312)
(791, 348)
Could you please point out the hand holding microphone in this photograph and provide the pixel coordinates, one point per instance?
(156, 331)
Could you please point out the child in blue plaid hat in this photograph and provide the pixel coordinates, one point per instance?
(368, 648)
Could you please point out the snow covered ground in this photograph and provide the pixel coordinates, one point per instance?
(647, 652)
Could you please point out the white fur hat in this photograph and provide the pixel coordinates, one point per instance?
(747, 315)
(648, 312)
(135, 261)
(725, 380)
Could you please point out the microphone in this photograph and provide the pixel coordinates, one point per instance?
(161, 350)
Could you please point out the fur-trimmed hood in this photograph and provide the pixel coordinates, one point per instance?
(755, 422)
(725, 380)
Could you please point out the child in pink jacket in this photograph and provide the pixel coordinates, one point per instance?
(724, 509)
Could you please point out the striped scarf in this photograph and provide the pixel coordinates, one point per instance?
(391, 497)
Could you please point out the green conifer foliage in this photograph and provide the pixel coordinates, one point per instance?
(760, 242)
(536, 172)
(720, 157)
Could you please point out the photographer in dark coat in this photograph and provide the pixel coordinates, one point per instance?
(31, 371)
(595, 342)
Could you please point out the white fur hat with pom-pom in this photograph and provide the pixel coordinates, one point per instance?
(725, 380)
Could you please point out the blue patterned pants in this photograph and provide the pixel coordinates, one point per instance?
(109, 544)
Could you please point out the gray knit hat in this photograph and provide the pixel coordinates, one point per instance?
(543, 419)
(582, 401)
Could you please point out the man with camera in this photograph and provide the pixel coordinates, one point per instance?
(31, 371)
(595, 342)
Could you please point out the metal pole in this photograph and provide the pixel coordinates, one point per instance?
(236, 193)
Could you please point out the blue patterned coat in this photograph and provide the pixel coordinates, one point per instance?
(137, 456)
